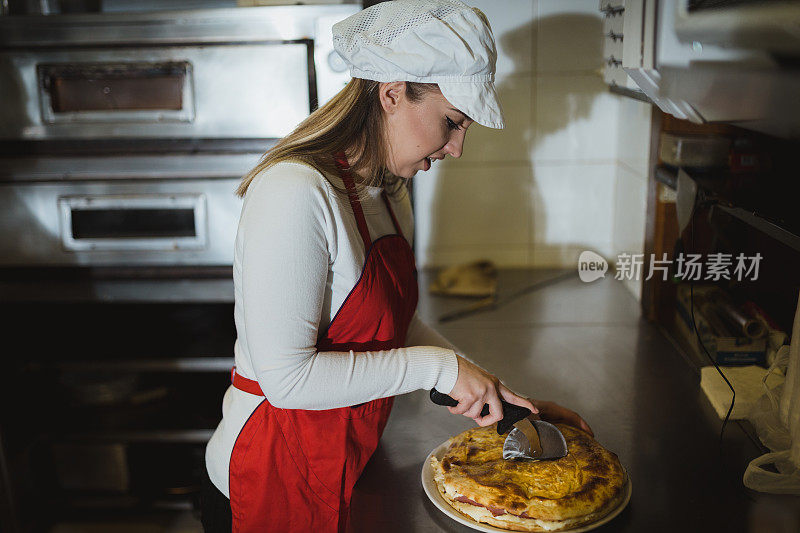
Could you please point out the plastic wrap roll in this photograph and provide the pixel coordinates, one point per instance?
(741, 323)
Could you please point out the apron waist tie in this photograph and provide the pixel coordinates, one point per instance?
(249, 385)
(244, 384)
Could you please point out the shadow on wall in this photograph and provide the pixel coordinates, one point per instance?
(484, 204)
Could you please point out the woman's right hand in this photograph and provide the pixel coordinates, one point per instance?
(476, 387)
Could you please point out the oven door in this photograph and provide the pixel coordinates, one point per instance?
(119, 223)
(235, 73)
(220, 91)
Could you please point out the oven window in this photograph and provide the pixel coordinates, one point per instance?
(703, 5)
(116, 94)
(132, 223)
(115, 87)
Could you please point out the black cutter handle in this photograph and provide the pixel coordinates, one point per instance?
(511, 413)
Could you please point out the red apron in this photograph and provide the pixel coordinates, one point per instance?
(293, 470)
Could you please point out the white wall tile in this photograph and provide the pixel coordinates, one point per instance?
(630, 218)
(569, 36)
(487, 207)
(569, 171)
(513, 23)
(573, 208)
(575, 119)
(635, 287)
(633, 140)
(514, 142)
(629, 212)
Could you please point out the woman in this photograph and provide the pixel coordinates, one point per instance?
(325, 281)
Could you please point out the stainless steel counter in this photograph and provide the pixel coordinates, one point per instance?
(586, 347)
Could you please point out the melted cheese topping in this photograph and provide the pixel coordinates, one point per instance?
(529, 495)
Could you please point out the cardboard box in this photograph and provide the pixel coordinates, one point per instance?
(724, 350)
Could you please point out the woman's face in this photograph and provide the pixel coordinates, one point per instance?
(420, 132)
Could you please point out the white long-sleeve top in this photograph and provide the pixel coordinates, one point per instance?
(298, 255)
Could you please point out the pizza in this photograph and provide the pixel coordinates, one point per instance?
(548, 495)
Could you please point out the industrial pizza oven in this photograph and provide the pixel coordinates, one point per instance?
(123, 137)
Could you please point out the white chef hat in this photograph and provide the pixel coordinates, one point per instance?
(428, 41)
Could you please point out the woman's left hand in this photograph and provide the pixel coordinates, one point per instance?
(552, 412)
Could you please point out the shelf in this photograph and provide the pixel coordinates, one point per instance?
(636, 94)
(176, 408)
(116, 504)
(717, 92)
(103, 332)
(185, 364)
(712, 183)
(192, 291)
(187, 436)
(778, 233)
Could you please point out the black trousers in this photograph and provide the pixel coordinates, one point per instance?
(215, 509)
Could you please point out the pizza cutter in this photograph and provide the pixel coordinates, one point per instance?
(529, 439)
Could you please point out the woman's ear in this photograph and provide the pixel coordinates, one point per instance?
(391, 94)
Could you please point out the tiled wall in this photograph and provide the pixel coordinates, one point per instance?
(545, 188)
(631, 187)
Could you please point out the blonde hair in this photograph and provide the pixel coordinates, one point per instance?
(352, 120)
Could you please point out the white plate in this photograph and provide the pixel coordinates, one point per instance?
(436, 498)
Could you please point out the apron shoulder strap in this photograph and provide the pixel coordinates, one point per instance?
(391, 214)
(352, 195)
